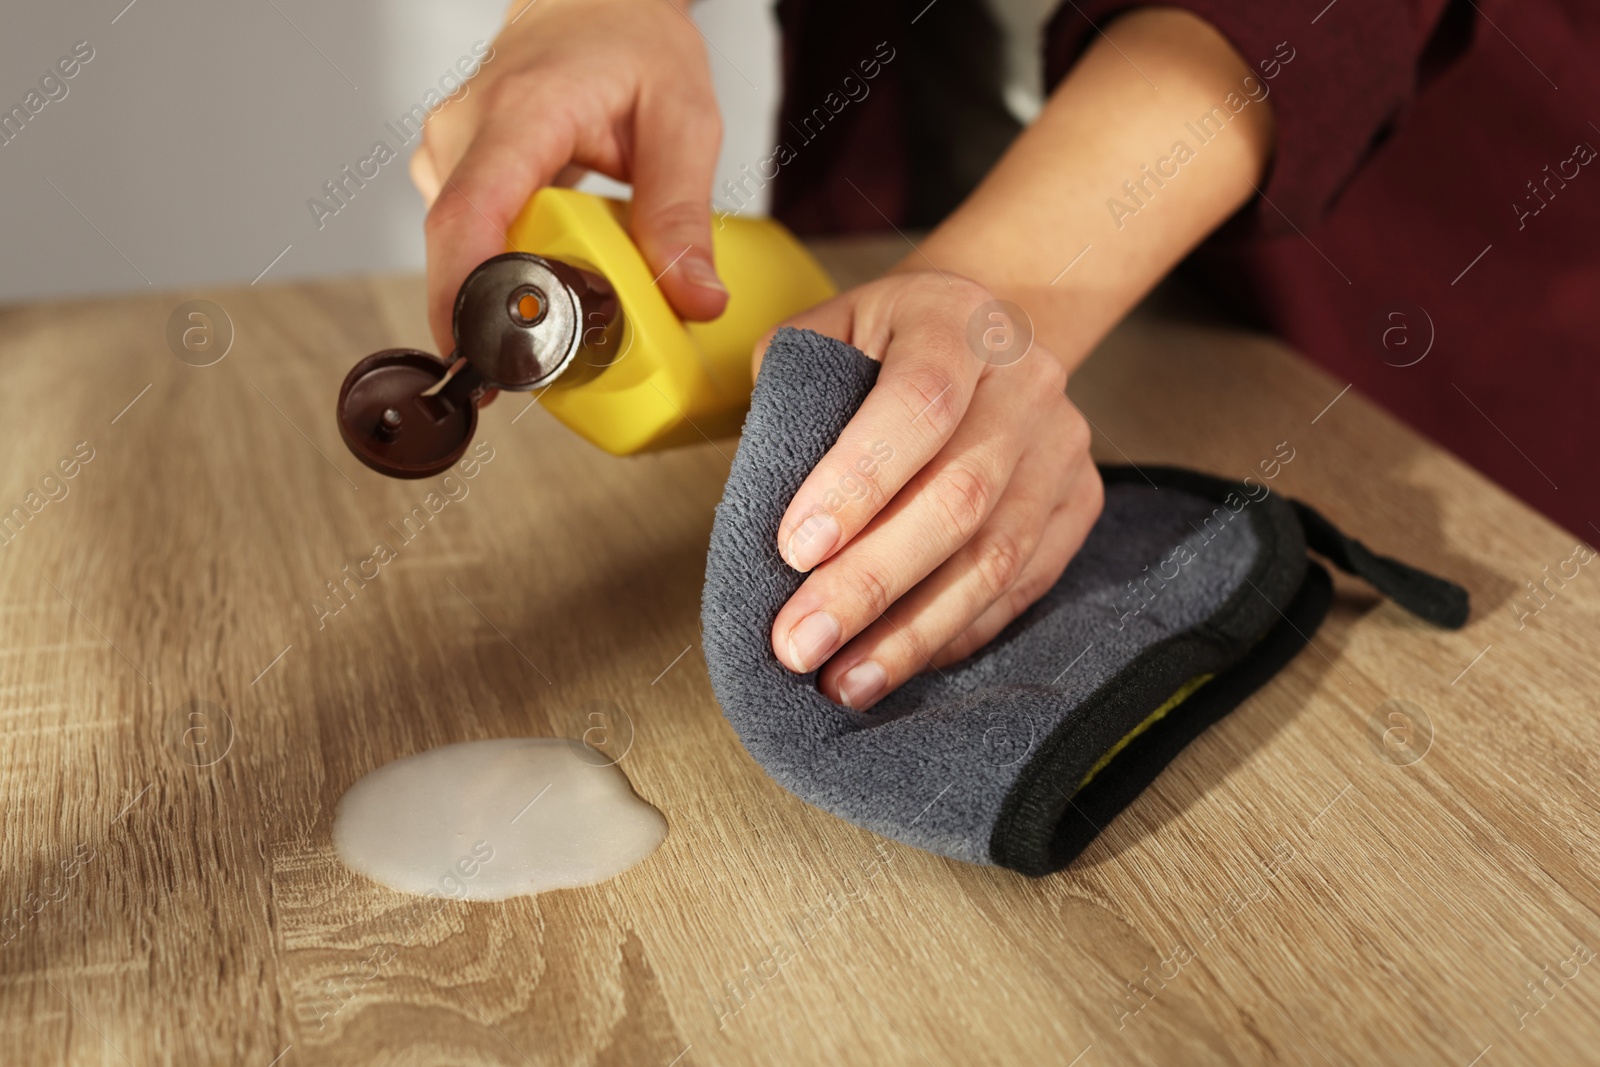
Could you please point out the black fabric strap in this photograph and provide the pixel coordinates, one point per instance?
(1433, 599)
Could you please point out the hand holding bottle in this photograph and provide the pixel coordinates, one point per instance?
(621, 87)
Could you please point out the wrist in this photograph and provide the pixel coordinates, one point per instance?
(1076, 222)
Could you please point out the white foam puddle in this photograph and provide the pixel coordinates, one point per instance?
(487, 820)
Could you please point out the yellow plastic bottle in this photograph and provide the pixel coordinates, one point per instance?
(669, 382)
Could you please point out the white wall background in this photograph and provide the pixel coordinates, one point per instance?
(184, 151)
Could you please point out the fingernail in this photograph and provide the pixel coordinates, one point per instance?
(861, 684)
(811, 541)
(812, 638)
(699, 271)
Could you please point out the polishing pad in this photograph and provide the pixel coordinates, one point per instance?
(1188, 595)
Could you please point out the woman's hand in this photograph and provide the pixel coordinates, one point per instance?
(952, 500)
(617, 86)
(962, 487)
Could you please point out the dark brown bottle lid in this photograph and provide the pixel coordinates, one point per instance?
(390, 423)
(520, 321)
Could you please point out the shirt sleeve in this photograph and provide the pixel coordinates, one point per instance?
(1336, 79)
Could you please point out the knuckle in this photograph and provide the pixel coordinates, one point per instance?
(850, 496)
(704, 120)
(805, 527)
(511, 91)
(419, 166)
(963, 496)
(999, 559)
(1051, 374)
(863, 488)
(447, 214)
(962, 646)
(1021, 596)
(1094, 501)
(964, 291)
(916, 651)
(930, 397)
(682, 220)
(872, 589)
(1076, 430)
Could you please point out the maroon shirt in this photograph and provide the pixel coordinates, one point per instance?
(1427, 230)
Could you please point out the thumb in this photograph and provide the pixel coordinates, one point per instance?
(508, 160)
(671, 223)
(833, 317)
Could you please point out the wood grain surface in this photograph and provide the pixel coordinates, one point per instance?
(1298, 887)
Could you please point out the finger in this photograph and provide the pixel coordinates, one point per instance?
(509, 159)
(831, 318)
(937, 512)
(983, 572)
(569, 176)
(424, 175)
(449, 131)
(1064, 534)
(677, 138)
(921, 395)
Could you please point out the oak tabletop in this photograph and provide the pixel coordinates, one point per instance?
(1385, 855)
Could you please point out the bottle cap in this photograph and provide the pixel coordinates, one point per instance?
(395, 422)
(520, 321)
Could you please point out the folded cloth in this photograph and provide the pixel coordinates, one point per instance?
(1189, 593)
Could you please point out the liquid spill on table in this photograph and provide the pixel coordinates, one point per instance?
(487, 820)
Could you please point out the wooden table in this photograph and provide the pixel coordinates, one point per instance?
(1289, 890)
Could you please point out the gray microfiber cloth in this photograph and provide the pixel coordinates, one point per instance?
(986, 760)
